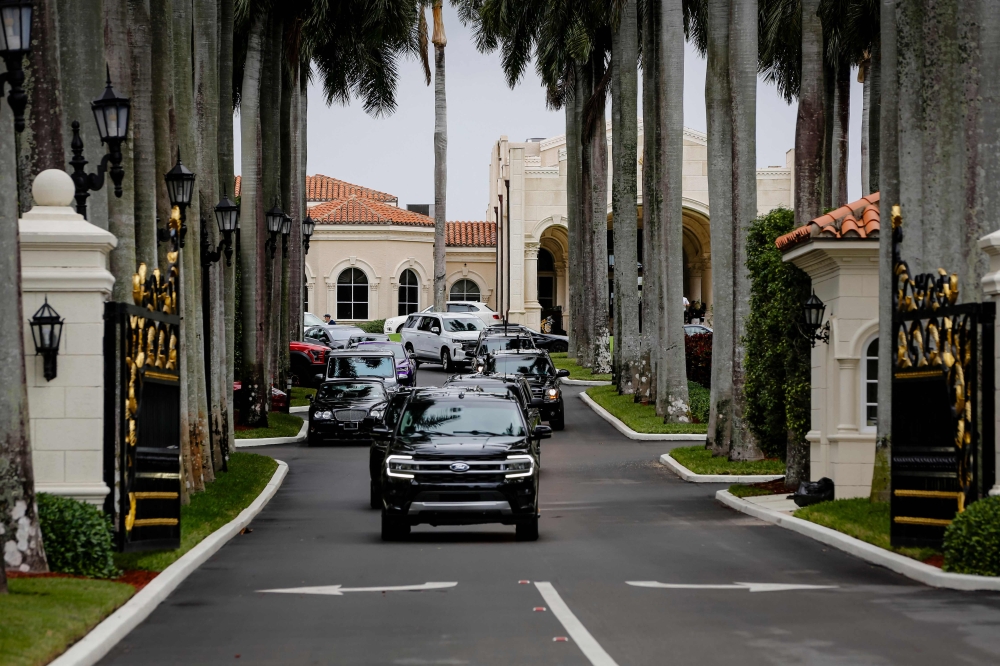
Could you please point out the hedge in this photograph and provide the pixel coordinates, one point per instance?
(77, 537)
(374, 326)
(972, 541)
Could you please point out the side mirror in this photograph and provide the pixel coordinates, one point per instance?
(319, 378)
(542, 431)
(537, 402)
(436, 331)
(379, 431)
(562, 373)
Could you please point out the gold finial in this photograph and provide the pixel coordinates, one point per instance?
(897, 217)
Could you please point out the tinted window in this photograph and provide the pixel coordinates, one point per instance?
(351, 367)
(427, 323)
(498, 344)
(346, 391)
(538, 366)
(461, 325)
(458, 307)
(411, 322)
(395, 347)
(461, 417)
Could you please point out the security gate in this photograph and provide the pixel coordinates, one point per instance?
(942, 402)
(142, 459)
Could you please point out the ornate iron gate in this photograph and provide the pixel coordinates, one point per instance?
(142, 455)
(942, 402)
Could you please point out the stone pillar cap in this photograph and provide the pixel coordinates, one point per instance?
(53, 187)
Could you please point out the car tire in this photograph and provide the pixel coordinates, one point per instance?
(446, 363)
(558, 421)
(393, 528)
(527, 530)
(376, 496)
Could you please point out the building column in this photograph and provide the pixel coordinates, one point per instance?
(991, 288)
(516, 299)
(847, 421)
(706, 282)
(331, 299)
(532, 308)
(695, 283)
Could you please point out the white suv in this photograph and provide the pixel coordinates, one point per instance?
(481, 310)
(447, 338)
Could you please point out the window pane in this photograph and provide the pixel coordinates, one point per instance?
(343, 293)
(872, 368)
(360, 294)
(871, 419)
(344, 311)
(873, 349)
(361, 311)
(872, 389)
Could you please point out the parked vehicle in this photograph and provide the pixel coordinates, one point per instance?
(492, 340)
(309, 319)
(458, 457)
(696, 329)
(406, 366)
(367, 337)
(380, 441)
(335, 336)
(346, 410)
(279, 399)
(442, 338)
(537, 368)
(547, 341)
(308, 359)
(481, 310)
(513, 385)
(363, 363)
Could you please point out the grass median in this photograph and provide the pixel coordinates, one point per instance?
(700, 460)
(279, 424)
(300, 396)
(563, 362)
(639, 417)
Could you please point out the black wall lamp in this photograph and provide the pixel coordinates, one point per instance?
(15, 43)
(111, 113)
(180, 190)
(46, 329)
(813, 327)
(275, 219)
(227, 216)
(286, 229)
(308, 225)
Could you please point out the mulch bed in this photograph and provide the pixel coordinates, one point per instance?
(137, 579)
(935, 560)
(776, 487)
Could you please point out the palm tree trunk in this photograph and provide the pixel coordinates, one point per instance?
(287, 249)
(18, 511)
(874, 118)
(829, 94)
(671, 381)
(164, 113)
(141, 131)
(600, 341)
(295, 270)
(652, 241)
(440, 158)
(810, 124)
(584, 349)
(625, 138)
(573, 221)
(255, 393)
(841, 132)
(743, 92)
(866, 96)
(227, 181)
(270, 121)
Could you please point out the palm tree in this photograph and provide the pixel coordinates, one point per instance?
(142, 134)
(439, 40)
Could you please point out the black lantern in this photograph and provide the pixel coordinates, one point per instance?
(275, 219)
(180, 190)
(227, 217)
(112, 115)
(46, 329)
(15, 43)
(308, 225)
(286, 229)
(813, 327)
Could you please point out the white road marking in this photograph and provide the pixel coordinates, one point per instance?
(337, 590)
(587, 644)
(751, 587)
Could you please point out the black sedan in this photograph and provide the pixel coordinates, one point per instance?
(459, 457)
(543, 378)
(346, 410)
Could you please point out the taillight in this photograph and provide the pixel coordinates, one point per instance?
(496, 316)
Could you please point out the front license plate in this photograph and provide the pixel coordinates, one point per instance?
(350, 426)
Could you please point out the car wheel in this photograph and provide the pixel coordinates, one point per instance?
(393, 528)
(558, 420)
(376, 496)
(527, 530)
(446, 363)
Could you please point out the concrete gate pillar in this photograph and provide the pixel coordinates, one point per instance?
(991, 288)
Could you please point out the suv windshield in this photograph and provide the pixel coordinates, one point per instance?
(349, 391)
(456, 325)
(396, 348)
(462, 417)
(352, 367)
(533, 365)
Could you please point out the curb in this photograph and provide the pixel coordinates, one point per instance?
(92, 647)
(691, 477)
(584, 382)
(302, 409)
(269, 441)
(918, 571)
(632, 434)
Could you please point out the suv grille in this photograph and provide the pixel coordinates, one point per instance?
(439, 471)
(350, 414)
(470, 345)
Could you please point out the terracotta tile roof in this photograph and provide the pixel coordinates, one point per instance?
(470, 234)
(359, 210)
(324, 188)
(857, 220)
(236, 188)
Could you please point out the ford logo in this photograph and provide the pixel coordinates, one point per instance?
(459, 467)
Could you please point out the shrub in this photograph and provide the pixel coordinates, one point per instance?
(699, 399)
(77, 537)
(972, 541)
(698, 359)
(374, 326)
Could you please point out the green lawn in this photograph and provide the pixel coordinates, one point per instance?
(860, 519)
(230, 493)
(639, 417)
(299, 397)
(562, 362)
(279, 425)
(41, 617)
(700, 460)
(395, 337)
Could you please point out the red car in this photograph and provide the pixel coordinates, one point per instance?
(279, 399)
(308, 360)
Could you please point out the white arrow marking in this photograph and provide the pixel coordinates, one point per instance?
(337, 590)
(751, 587)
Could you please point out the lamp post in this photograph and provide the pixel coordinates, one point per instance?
(180, 190)
(275, 219)
(46, 329)
(308, 225)
(111, 113)
(227, 217)
(813, 327)
(15, 43)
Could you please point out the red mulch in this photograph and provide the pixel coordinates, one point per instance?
(137, 579)
(776, 487)
(935, 560)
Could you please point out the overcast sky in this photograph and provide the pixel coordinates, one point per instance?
(395, 154)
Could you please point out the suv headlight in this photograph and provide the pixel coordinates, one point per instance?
(517, 466)
(399, 466)
(551, 394)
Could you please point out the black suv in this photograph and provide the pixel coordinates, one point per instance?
(460, 457)
(543, 378)
(493, 340)
(346, 410)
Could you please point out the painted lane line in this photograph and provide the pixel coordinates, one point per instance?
(337, 590)
(587, 644)
(751, 587)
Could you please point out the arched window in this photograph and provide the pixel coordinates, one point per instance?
(409, 292)
(869, 387)
(352, 295)
(465, 290)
